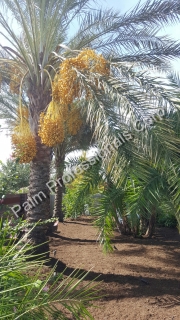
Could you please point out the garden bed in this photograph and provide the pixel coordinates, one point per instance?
(140, 280)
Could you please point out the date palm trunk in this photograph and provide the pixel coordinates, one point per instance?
(151, 226)
(39, 198)
(59, 188)
(38, 208)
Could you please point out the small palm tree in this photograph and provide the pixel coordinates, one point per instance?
(40, 52)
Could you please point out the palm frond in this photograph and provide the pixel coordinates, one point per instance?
(111, 32)
(24, 294)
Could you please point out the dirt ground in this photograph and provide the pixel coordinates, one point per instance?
(140, 279)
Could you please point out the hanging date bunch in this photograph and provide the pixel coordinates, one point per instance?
(63, 116)
(51, 127)
(66, 86)
(23, 141)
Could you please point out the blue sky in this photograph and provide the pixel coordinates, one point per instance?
(122, 6)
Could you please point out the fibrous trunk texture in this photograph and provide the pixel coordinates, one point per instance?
(59, 189)
(39, 197)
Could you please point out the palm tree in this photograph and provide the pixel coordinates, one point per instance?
(142, 181)
(38, 52)
(81, 141)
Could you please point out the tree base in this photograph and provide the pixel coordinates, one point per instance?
(38, 239)
(51, 228)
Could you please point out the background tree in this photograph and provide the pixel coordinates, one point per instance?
(13, 176)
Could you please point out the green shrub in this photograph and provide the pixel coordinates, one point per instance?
(166, 220)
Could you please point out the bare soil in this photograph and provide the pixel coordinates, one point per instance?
(140, 279)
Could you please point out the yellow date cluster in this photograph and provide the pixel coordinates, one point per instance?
(51, 127)
(66, 86)
(58, 122)
(62, 116)
(23, 141)
(24, 145)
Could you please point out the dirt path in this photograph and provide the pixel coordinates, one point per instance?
(140, 280)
